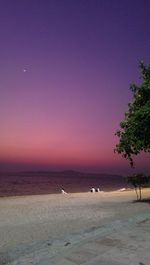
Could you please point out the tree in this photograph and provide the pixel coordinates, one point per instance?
(134, 135)
(138, 180)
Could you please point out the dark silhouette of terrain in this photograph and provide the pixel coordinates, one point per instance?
(44, 182)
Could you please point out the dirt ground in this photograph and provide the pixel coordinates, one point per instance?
(81, 228)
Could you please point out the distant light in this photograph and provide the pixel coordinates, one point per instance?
(24, 70)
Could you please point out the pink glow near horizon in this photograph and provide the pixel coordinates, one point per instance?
(79, 60)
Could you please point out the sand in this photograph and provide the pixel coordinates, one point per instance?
(80, 228)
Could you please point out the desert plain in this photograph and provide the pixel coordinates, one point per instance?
(105, 228)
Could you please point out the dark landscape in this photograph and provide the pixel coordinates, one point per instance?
(30, 183)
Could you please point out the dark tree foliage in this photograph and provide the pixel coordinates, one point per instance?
(134, 135)
(138, 180)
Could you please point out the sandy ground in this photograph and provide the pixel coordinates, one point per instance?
(82, 228)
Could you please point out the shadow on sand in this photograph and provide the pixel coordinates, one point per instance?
(145, 200)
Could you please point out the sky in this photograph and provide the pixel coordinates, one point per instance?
(65, 71)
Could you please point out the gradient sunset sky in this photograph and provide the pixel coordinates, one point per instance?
(65, 71)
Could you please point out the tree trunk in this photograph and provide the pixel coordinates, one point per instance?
(140, 192)
(137, 197)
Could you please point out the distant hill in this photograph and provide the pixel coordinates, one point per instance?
(45, 182)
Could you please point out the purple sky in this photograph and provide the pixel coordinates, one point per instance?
(65, 71)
